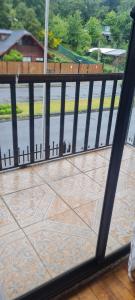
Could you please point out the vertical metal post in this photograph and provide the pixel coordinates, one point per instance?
(111, 112)
(14, 123)
(87, 128)
(47, 3)
(123, 118)
(100, 114)
(77, 92)
(62, 117)
(47, 127)
(31, 120)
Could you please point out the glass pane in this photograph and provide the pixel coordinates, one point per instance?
(123, 216)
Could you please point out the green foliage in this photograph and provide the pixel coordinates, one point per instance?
(59, 27)
(78, 23)
(74, 29)
(94, 54)
(120, 25)
(27, 17)
(52, 41)
(95, 30)
(84, 42)
(13, 55)
(5, 21)
(5, 109)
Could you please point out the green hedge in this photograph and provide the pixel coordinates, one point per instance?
(5, 109)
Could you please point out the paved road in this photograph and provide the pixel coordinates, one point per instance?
(22, 91)
(23, 130)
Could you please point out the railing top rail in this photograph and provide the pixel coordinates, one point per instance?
(37, 78)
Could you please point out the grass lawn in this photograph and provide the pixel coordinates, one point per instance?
(55, 106)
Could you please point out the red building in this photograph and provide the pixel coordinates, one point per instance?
(24, 42)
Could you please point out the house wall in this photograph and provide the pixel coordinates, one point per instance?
(33, 51)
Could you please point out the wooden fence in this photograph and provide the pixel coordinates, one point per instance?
(52, 68)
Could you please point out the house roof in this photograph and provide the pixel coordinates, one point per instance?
(13, 38)
(5, 31)
(109, 51)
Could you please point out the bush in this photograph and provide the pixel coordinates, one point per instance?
(5, 109)
(52, 41)
(13, 55)
(107, 59)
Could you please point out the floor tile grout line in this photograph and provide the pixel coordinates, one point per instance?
(23, 189)
(69, 206)
(21, 228)
(5, 234)
(60, 178)
(62, 233)
(42, 262)
(84, 172)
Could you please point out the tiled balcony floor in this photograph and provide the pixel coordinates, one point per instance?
(50, 215)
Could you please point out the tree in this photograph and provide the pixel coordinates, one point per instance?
(74, 29)
(52, 41)
(5, 19)
(84, 42)
(13, 55)
(95, 30)
(27, 17)
(117, 22)
(112, 5)
(59, 27)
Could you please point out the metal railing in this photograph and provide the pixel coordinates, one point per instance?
(92, 266)
(32, 152)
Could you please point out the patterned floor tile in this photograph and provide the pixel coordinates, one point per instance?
(88, 161)
(20, 268)
(105, 153)
(125, 182)
(35, 204)
(128, 166)
(128, 153)
(18, 180)
(56, 170)
(99, 175)
(91, 213)
(78, 190)
(7, 223)
(62, 246)
(122, 222)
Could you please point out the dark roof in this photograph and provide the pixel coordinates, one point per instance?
(13, 38)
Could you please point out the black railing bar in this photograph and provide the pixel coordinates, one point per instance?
(62, 118)
(14, 122)
(75, 121)
(89, 107)
(111, 112)
(47, 122)
(7, 79)
(126, 98)
(0, 160)
(31, 120)
(101, 104)
(91, 150)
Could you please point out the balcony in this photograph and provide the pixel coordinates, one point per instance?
(50, 216)
(53, 195)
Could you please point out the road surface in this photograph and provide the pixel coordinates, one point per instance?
(23, 130)
(23, 94)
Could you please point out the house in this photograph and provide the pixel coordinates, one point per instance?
(24, 42)
(109, 51)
